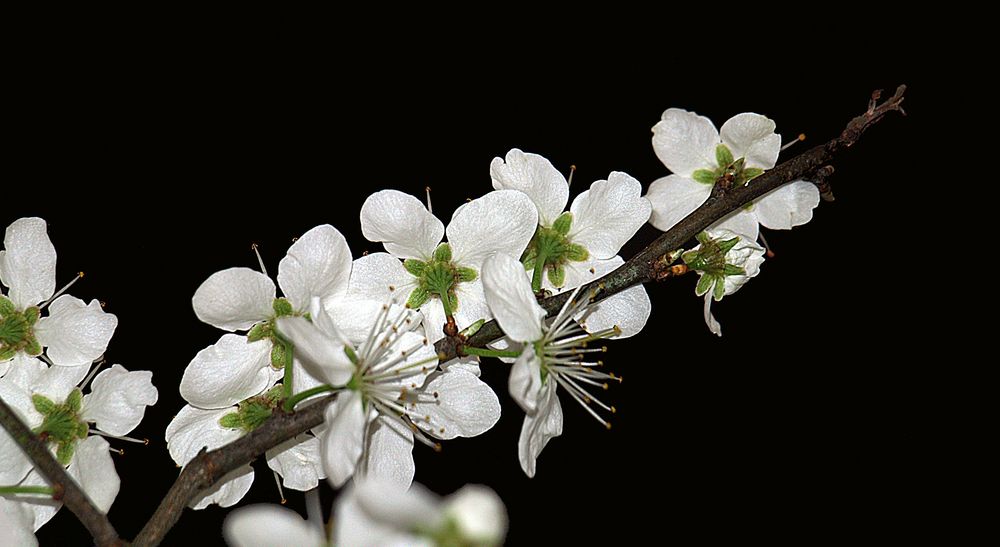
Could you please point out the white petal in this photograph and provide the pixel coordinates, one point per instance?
(227, 491)
(390, 452)
(344, 437)
(298, 462)
(741, 222)
(354, 318)
(471, 303)
(4, 367)
(317, 264)
(752, 136)
(28, 262)
(389, 503)
(15, 464)
(469, 363)
(628, 310)
(193, 429)
(539, 427)
(227, 372)
(607, 215)
(685, 142)
(502, 221)
(355, 526)
(788, 206)
(401, 223)
(713, 325)
(380, 277)
(56, 382)
(509, 296)
(479, 513)
(16, 522)
(434, 319)
(302, 380)
(94, 471)
(525, 382)
(234, 299)
(74, 332)
(536, 177)
(42, 507)
(410, 375)
(322, 354)
(25, 371)
(463, 406)
(673, 198)
(118, 399)
(265, 525)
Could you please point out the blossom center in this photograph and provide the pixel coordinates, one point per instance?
(438, 277)
(17, 330)
(61, 423)
(731, 171)
(281, 350)
(550, 250)
(251, 413)
(710, 261)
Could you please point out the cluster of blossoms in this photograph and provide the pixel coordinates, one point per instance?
(51, 348)
(365, 330)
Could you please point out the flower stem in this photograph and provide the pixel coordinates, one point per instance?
(48, 490)
(287, 381)
(536, 276)
(484, 352)
(290, 402)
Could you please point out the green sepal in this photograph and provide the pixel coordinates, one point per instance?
(737, 166)
(7, 354)
(727, 245)
(231, 421)
(473, 328)
(563, 223)
(418, 298)
(33, 349)
(282, 307)
(577, 252)
(43, 404)
(442, 253)
(529, 262)
(723, 156)
(274, 394)
(351, 354)
(529, 254)
(281, 355)
(703, 237)
(720, 290)
(64, 453)
(255, 414)
(82, 430)
(704, 176)
(259, 332)
(557, 276)
(751, 173)
(466, 275)
(704, 284)
(414, 266)
(732, 269)
(74, 399)
(32, 314)
(6, 306)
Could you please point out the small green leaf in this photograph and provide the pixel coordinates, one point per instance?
(720, 290)
(65, 452)
(82, 430)
(704, 284)
(281, 355)
(231, 421)
(563, 223)
(473, 328)
(351, 354)
(727, 245)
(751, 173)
(274, 394)
(43, 404)
(6, 306)
(732, 269)
(282, 307)
(259, 331)
(32, 314)
(703, 238)
(73, 400)
(418, 298)
(529, 263)
(414, 266)
(466, 275)
(704, 176)
(33, 349)
(738, 165)
(723, 156)
(443, 253)
(577, 253)
(557, 276)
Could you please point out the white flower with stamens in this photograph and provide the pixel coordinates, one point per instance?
(390, 392)
(50, 400)
(16, 523)
(552, 356)
(725, 261)
(439, 279)
(700, 156)
(572, 248)
(73, 334)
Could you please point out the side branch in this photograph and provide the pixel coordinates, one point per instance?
(208, 467)
(641, 267)
(65, 487)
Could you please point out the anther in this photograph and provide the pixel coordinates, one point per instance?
(614, 410)
(800, 138)
(428, 190)
(263, 270)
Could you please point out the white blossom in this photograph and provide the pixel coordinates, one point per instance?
(725, 261)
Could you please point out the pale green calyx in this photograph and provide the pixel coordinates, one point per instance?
(449, 533)
(733, 170)
(550, 250)
(281, 350)
(17, 330)
(709, 260)
(251, 413)
(61, 423)
(438, 277)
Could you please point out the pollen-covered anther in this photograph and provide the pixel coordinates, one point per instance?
(614, 410)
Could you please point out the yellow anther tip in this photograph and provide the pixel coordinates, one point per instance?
(802, 136)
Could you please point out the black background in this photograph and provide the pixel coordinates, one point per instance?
(801, 423)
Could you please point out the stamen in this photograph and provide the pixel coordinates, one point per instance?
(800, 138)
(91, 374)
(118, 451)
(79, 276)
(263, 269)
(120, 438)
(45, 358)
(428, 190)
(576, 397)
(314, 512)
(569, 179)
(760, 237)
(281, 492)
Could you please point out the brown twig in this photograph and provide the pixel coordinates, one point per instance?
(65, 487)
